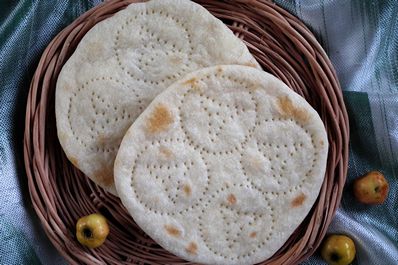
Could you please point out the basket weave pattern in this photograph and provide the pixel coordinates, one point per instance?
(61, 194)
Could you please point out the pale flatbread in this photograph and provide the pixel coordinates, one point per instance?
(223, 166)
(122, 63)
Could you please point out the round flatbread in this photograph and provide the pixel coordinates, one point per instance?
(223, 166)
(121, 64)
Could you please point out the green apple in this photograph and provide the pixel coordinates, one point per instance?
(338, 250)
(92, 230)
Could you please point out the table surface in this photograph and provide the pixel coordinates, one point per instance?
(361, 38)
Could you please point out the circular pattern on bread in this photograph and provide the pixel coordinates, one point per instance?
(121, 64)
(223, 166)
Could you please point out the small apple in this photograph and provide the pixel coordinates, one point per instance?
(92, 230)
(372, 188)
(338, 250)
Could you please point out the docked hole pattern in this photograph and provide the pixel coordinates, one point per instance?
(240, 223)
(104, 115)
(152, 50)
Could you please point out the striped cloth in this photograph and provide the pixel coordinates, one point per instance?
(361, 38)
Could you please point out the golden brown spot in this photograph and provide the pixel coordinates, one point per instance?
(291, 111)
(192, 248)
(194, 84)
(253, 87)
(159, 120)
(74, 161)
(219, 70)
(298, 201)
(166, 152)
(105, 177)
(253, 234)
(231, 199)
(172, 230)
(101, 139)
(191, 81)
(251, 64)
(187, 190)
(321, 142)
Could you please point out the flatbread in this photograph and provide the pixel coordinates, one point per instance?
(223, 166)
(122, 63)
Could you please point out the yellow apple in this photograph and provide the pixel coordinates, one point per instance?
(338, 250)
(371, 188)
(92, 230)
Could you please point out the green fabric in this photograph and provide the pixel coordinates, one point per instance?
(18, 249)
(26, 28)
(364, 155)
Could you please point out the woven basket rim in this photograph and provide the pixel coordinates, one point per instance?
(280, 42)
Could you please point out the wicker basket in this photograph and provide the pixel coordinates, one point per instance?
(61, 194)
